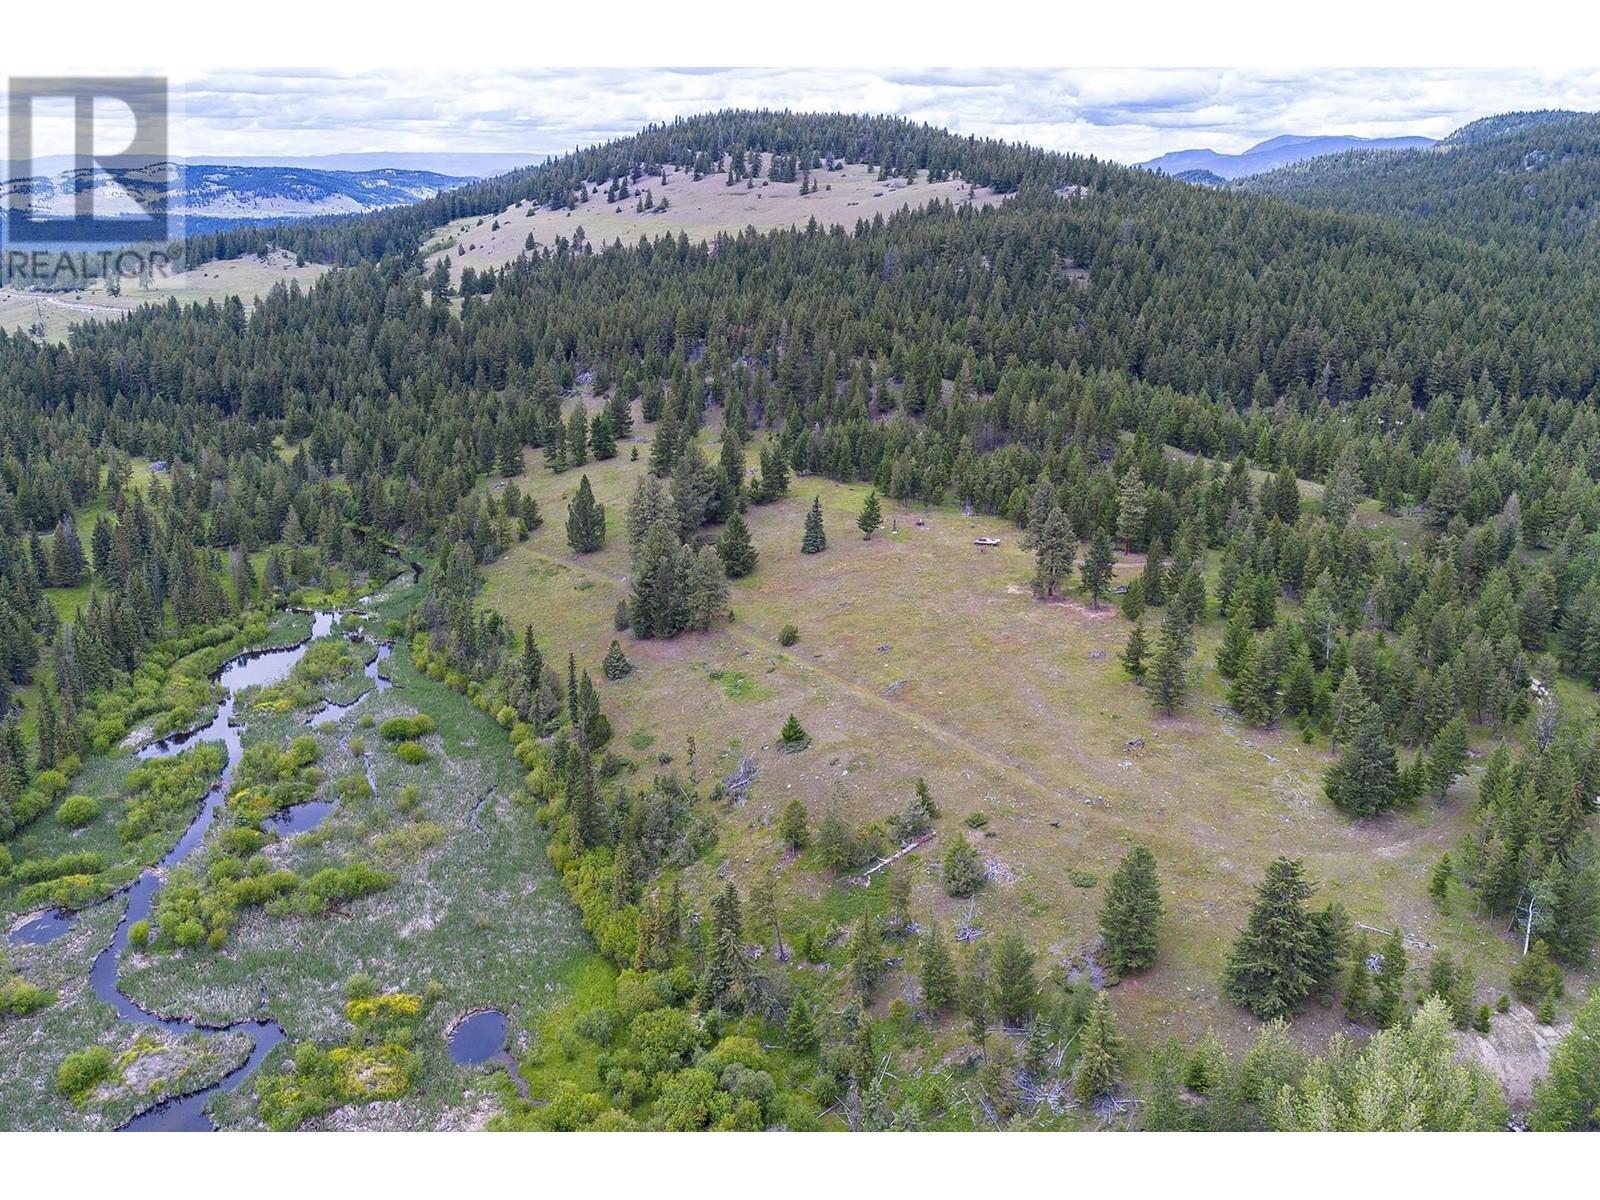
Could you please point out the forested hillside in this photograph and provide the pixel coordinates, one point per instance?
(1520, 181)
(1197, 388)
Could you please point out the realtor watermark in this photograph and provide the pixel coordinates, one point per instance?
(101, 214)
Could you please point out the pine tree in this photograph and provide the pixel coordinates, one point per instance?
(1057, 547)
(1364, 780)
(602, 441)
(1391, 1002)
(1132, 505)
(975, 995)
(939, 981)
(1137, 651)
(1439, 881)
(1253, 694)
(871, 517)
(800, 1025)
(1100, 1055)
(728, 978)
(793, 735)
(1042, 503)
(866, 957)
(1447, 756)
(963, 869)
(736, 549)
(1349, 706)
(1273, 965)
(1131, 913)
(1016, 990)
(1170, 671)
(1153, 579)
(586, 520)
(1358, 985)
(815, 540)
(792, 826)
(616, 665)
(1235, 644)
(1097, 566)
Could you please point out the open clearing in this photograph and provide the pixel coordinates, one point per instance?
(919, 655)
(52, 314)
(701, 208)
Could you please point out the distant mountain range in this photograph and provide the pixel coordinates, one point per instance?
(211, 195)
(1280, 151)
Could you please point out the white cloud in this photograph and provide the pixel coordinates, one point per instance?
(1126, 115)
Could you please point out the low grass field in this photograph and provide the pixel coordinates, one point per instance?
(53, 314)
(920, 655)
(700, 208)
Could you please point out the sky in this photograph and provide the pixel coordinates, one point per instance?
(1123, 114)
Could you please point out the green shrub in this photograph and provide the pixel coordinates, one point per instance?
(788, 635)
(77, 811)
(139, 933)
(18, 998)
(411, 753)
(407, 729)
(83, 1070)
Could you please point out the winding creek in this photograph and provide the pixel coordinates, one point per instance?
(252, 669)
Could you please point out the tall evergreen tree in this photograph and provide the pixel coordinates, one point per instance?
(586, 520)
(1365, 779)
(938, 978)
(1131, 914)
(1274, 961)
(736, 549)
(1097, 566)
(1100, 1058)
(1056, 549)
(815, 540)
(1169, 673)
(871, 517)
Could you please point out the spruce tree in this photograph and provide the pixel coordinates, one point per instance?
(1154, 576)
(586, 520)
(939, 981)
(871, 517)
(1358, 986)
(793, 736)
(1056, 549)
(1100, 1053)
(1439, 881)
(1170, 671)
(800, 1025)
(616, 665)
(1365, 779)
(1447, 756)
(1097, 566)
(963, 869)
(1131, 913)
(1040, 506)
(1391, 1002)
(1016, 989)
(735, 548)
(792, 827)
(1132, 505)
(1274, 961)
(1253, 693)
(815, 539)
(602, 442)
(1137, 651)
(866, 957)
